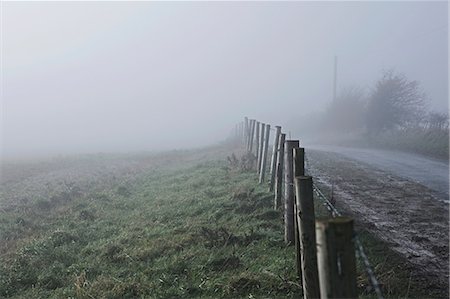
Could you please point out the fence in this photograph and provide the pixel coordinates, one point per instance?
(325, 249)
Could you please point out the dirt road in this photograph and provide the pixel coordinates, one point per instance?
(407, 215)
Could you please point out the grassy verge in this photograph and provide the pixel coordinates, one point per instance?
(204, 231)
(433, 143)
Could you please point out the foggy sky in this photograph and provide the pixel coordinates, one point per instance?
(117, 76)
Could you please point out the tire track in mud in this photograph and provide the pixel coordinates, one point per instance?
(406, 215)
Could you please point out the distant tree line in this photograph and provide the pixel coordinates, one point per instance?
(392, 114)
(395, 103)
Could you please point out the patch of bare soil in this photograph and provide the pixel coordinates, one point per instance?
(408, 216)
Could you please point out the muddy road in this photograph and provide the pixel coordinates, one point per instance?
(411, 217)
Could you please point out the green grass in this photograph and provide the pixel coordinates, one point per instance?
(203, 231)
(199, 232)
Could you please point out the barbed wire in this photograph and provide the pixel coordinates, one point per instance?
(330, 207)
(359, 247)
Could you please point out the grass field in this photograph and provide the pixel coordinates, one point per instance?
(202, 229)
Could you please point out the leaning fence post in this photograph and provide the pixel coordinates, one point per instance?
(261, 145)
(306, 225)
(273, 162)
(264, 157)
(336, 258)
(279, 177)
(289, 235)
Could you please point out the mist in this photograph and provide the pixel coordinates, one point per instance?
(82, 77)
(224, 149)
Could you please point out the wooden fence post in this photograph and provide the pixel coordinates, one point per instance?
(273, 162)
(257, 140)
(252, 135)
(289, 233)
(279, 177)
(299, 161)
(306, 225)
(299, 170)
(250, 121)
(336, 258)
(246, 132)
(264, 157)
(261, 145)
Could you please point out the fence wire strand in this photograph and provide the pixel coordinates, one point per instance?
(359, 247)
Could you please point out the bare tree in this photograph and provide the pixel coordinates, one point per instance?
(396, 102)
(437, 121)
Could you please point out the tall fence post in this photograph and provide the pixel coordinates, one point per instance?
(257, 140)
(279, 176)
(289, 233)
(306, 224)
(261, 145)
(252, 134)
(273, 162)
(299, 170)
(242, 132)
(246, 132)
(336, 258)
(264, 157)
(299, 161)
(250, 121)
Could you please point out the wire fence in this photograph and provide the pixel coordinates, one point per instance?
(247, 130)
(359, 247)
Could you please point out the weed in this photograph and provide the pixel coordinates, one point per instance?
(59, 238)
(242, 193)
(243, 284)
(86, 215)
(123, 191)
(225, 263)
